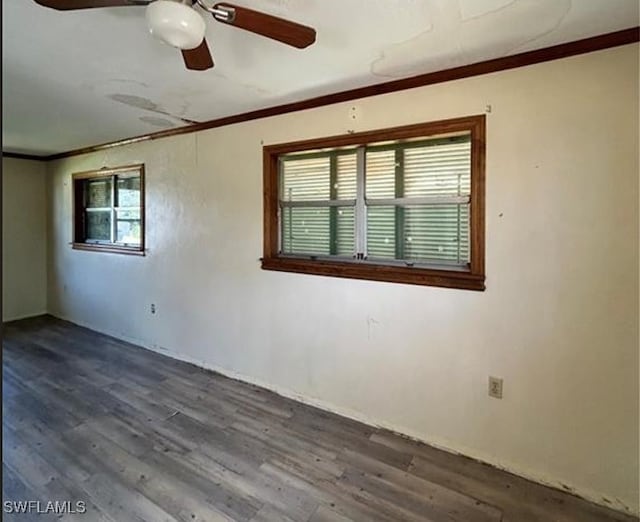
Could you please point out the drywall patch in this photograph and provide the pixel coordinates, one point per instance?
(157, 121)
(136, 101)
(130, 81)
(398, 60)
(473, 9)
(145, 104)
(471, 32)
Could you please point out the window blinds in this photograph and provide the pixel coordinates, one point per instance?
(417, 197)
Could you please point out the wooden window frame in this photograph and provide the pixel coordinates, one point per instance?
(470, 278)
(78, 231)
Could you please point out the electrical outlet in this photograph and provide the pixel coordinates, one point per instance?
(495, 387)
(153, 308)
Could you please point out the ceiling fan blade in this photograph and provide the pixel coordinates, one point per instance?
(67, 5)
(284, 31)
(198, 59)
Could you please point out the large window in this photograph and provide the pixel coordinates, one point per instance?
(403, 205)
(109, 210)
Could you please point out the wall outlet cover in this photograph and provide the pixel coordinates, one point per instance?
(495, 387)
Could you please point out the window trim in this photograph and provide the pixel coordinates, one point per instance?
(78, 210)
(471, 279)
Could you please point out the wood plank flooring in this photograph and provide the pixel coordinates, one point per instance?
(141, 437)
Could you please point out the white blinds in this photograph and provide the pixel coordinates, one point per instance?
(380, 174)
(417, 197)
(306, 179)
(438, 170)
(438, 232)
(317, 196)
(346, 176)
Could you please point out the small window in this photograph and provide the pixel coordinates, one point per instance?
(109, 210)
(402, 205)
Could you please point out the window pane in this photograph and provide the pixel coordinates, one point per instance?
(306, 179)
(437, 233)
(429, 233)
(347, 173)
(381, 232)
(98, 193)
(381, 174)
(305, 230)
(440, 169)
(128, 191)
(345, 231)
(99, 225)
(128, 226)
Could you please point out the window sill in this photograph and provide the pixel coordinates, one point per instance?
(111, 249)
(391, 274)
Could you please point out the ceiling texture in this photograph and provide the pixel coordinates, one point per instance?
(79, 78)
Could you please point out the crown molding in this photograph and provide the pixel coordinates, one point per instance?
(587, 45)
(18, 155)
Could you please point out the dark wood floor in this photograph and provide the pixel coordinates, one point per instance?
(141, 437)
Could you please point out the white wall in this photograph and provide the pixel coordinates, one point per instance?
(558, 321)
(24, 242)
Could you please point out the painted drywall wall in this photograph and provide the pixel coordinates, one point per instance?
(558, 321)
(24, 241)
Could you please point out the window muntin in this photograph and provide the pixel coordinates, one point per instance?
(109, 209)
(398, 202)
(415, 195)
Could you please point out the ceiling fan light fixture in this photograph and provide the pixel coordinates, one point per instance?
(175, 23)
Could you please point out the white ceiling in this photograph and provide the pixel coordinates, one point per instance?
(78, 78)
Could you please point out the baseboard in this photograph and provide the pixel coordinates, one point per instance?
(435, 442)
(25, 316)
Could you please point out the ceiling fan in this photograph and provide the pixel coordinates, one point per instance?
(178, 23)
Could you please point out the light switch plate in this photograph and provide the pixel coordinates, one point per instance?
(495, 387)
